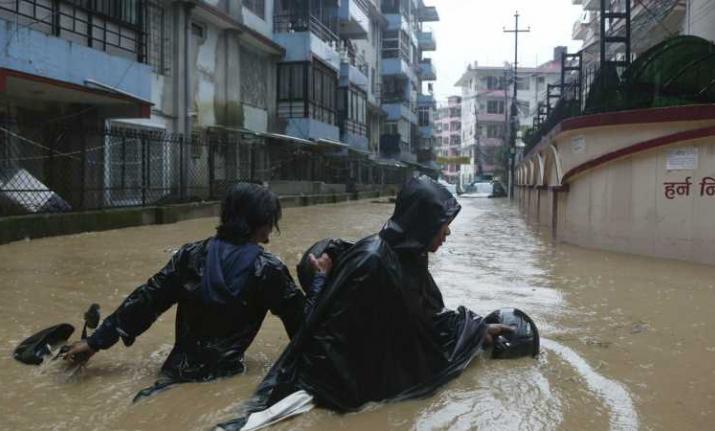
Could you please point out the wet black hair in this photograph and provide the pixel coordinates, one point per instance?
(246, 208)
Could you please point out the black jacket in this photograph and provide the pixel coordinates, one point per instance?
(216, 320)
(379, 330)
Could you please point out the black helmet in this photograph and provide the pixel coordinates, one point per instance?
(34, 349)
(333, 247)
(524, 341)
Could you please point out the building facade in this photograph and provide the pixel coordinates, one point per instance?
(222, 78)
(404, 70)
(487, 94)
(652, 21)
(448, 125)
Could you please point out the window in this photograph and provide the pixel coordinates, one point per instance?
(495, 131)
(258, 7)
(391, 128)
(352, 107)
(322, 94)
(307, 90)
(523, 108)
(455, 126)
(522, 83)
(495, 106)
(254, 77)
(495, 82)
(423, 116)
(396, 43)
(127, 11)
(159, 38)
(393, 89)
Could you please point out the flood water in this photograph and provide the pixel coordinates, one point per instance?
(628, 340)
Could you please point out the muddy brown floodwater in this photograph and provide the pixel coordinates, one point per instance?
(628, 340)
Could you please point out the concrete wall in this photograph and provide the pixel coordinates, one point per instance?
(611, 181)
(36, 53)
(44, 225)
(308, 128)
(303, 46)
(700, 19)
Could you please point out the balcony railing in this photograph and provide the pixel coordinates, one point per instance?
(348, 55)
(297, 23)
(104, 25)
(364, 5)
(351, 126)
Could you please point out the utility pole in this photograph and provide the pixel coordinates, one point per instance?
(514, 108)
(477, 138)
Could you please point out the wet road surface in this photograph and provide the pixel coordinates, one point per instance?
(628, 340)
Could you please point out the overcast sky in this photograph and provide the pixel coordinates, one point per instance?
(472, 30)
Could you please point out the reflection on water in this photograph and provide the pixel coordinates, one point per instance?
(627, 341)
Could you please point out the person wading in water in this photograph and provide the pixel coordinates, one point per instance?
(379, 330)
(223, 287)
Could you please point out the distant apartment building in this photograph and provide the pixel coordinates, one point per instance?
(652, 21)
(486, 97)
(404, 70)
(448, 136)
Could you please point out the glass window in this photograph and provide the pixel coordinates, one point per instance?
(258, 7)
(495, 106)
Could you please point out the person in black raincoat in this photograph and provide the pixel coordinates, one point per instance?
(380, 330)
(223, 285)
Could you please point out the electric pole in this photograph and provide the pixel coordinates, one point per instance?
(514, 107)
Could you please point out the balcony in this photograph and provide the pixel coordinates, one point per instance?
(592, 4)
(426, 100)
(427, 132)
(40, 69)
(353, 133)
(491, 118)
(353, 68)
(399, 110)
(427, 41)
(353, 19)
(304, 36)
(390, 144)
(398, 66)
(427, 14)
(579, 30)
(427, 70)
(350, 74)
(397, 22)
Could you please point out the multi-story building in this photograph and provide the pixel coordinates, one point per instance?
(404, 70)
(274, 73)
(448, 136)
(487, 94)
(652, 21)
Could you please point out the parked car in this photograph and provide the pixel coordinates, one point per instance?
(485, 189)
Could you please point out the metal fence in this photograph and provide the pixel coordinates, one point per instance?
(54, 169)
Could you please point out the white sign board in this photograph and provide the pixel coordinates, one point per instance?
(682, 159)
(578, 144)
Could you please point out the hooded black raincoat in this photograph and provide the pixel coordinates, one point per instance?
(379, 330)
(223, 292)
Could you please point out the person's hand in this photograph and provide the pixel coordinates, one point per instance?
(79, 352)
(323, 264)
(494, 330)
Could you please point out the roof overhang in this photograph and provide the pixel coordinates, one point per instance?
(288, 138)
(224, 21)
(30, 91)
